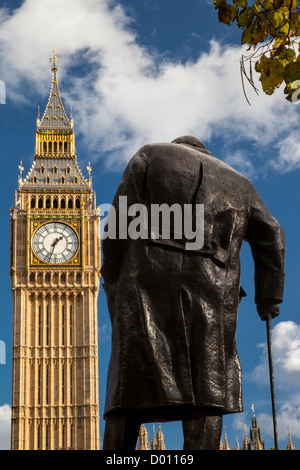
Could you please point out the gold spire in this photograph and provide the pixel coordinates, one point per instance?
(54, 59)
(143, 439)
(246, 440)
(226, 445)
(258, 444)
(290, 445)
(160, 439)
(154, 441)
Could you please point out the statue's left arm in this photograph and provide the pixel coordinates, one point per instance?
(267, 241)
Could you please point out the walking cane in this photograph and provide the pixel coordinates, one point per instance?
(268, 324)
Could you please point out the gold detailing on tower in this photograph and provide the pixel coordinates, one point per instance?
(290, 445)
(143, 443)
(157, 440)
(54, 59)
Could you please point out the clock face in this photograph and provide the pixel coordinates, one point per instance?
(55, 243)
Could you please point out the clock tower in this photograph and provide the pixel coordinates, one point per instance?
(55, 269)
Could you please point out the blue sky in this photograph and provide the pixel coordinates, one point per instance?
(140, 71)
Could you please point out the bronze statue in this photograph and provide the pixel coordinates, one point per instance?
(174, 310)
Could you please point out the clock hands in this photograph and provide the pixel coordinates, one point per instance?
(55, 242)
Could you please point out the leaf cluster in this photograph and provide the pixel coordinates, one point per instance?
(271, 28)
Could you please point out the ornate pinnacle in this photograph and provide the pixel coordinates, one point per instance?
(54, 59)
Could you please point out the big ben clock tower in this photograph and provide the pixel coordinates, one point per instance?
(55, 268)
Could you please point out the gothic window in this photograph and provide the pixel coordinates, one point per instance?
(47, 390)
(71, 389)
(55, 203)
(40, 325)
(63, 325)
(55, 147)
(48, 200)
(63, 203)
(45, 147)
(70, 203)
(47, 181)
(75, 180)
(34, 179)
(62, 180)
(47, 437)
(47, 325)
(63, 278)
(78, 277)
(31, 277)
(60, 147)
(65, 146)
(68, 169)
(63, 384)
(71, 325)
(40, 203)
(39, 385)
(50, 147)
(32, 205)
(77, 203)
(47, 277)
(55, 169)
(63, 436)
(42, 169)
(38, 436)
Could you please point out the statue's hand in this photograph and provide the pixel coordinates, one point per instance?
(267, 311)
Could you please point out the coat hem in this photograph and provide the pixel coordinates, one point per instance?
(175, 411)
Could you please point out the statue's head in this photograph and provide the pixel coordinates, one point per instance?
(189, 140)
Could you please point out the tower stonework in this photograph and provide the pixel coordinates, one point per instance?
(55, 269)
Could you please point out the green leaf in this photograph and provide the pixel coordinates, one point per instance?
(240, 3)
(219, 3)
(271, 74)
(247, 35)
(276, 18)
(227, 14)
(267, 4)
(245, 18)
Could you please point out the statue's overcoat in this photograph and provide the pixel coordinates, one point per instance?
(174, 311)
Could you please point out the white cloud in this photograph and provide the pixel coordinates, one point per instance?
(286, 357)
(5, 424)
(130, 95)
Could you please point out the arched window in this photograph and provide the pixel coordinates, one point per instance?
(78, 277)
(31, 277)
(47, 277)
(32, 205)
(50, 147)
(63, 278)
(65, 147)
(39, 385)
(70, 203)
(40, 203)
(77, 203)
(62, 180)
(45, 147)
(63, 203)
(55, 203)
(60, 147)
(42, 169)
(48, 201)
(55, 147)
